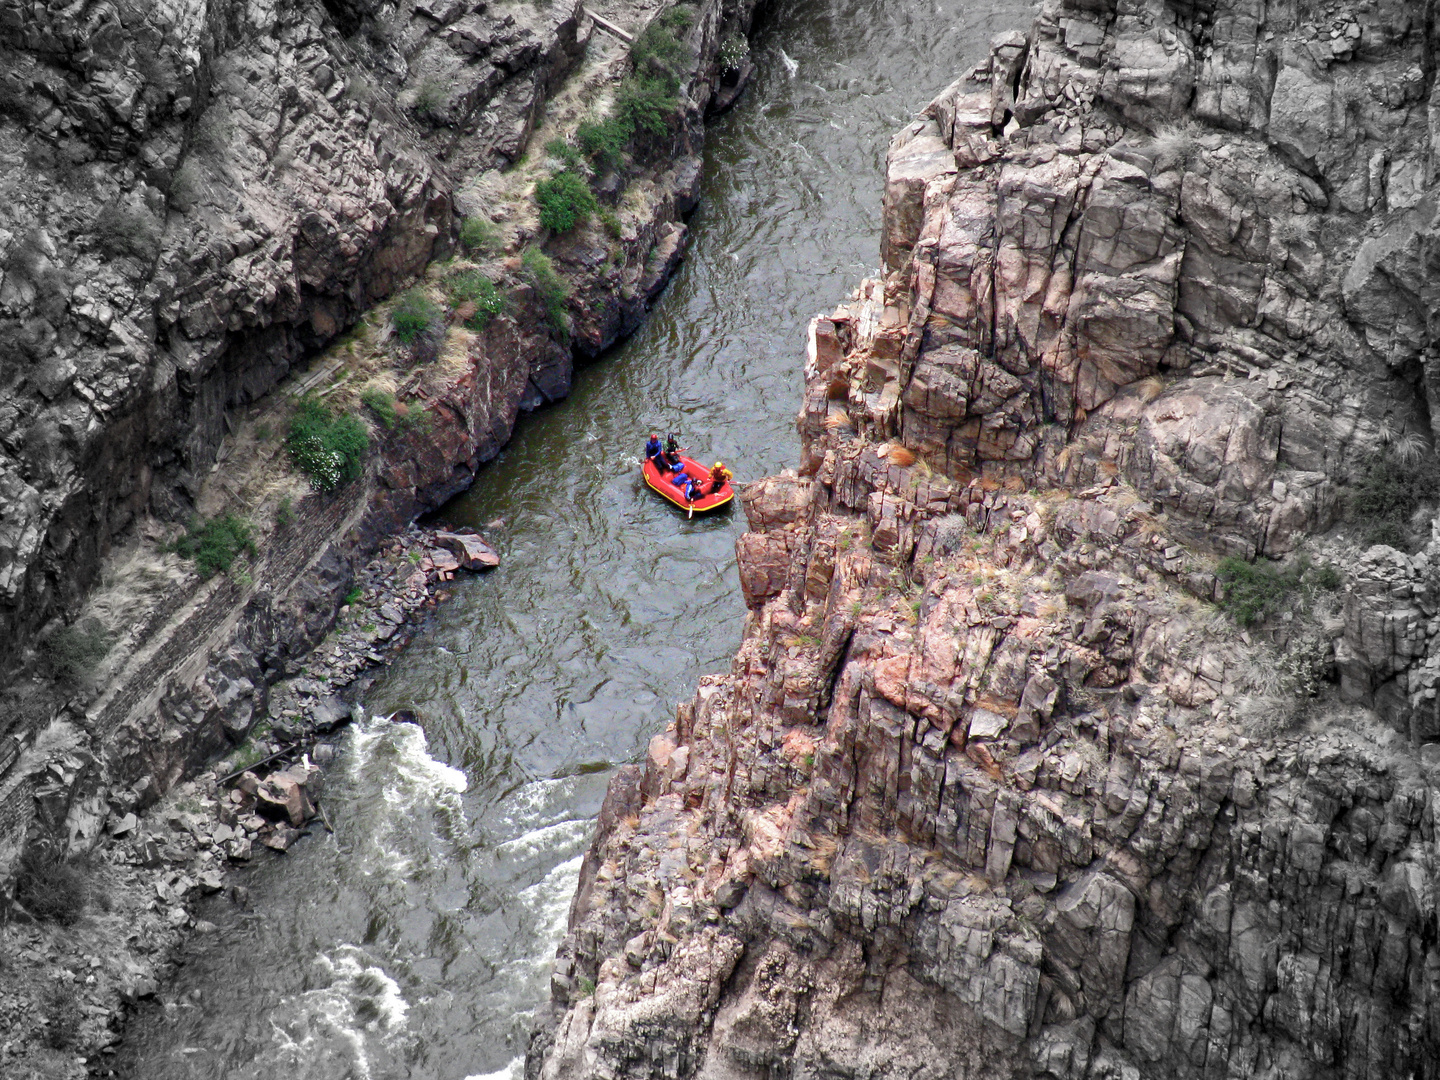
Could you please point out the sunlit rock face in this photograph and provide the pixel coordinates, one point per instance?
(992, 787)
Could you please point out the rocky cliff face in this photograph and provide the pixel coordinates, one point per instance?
(993, 786)
(204, 201)
(197, 197)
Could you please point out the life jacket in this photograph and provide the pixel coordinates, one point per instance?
(652, 449)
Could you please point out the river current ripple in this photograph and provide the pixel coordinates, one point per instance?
(416, 940)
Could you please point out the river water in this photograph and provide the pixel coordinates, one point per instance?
(415, 942)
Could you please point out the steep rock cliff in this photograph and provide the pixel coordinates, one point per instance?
(176, 273)
(197, 197)
(992, 788)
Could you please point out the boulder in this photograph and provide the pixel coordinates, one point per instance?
(469, 551)
(282, 796)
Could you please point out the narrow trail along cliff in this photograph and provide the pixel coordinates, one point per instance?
(1085, 722)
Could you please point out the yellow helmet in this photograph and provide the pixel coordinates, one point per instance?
(719, 464)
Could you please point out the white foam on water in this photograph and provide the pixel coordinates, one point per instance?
(513, 1071)
(549, 899)
(337, 1024)
(527, 804)
(561, 836)
(791, 66)
(395, 758)
(415, 775)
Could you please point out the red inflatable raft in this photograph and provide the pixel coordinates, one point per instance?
(661, 482)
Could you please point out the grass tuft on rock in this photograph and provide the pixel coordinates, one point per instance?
(479, 235)
(73, 652)
(381, 403)
(51, 888)
(414, 316)
(63, 1017)
(477, 297)
(551, 289)
(217, 543)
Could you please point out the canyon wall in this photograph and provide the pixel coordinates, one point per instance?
(205, 203)
(1085, 720)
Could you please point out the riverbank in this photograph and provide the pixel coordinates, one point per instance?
(180, 664)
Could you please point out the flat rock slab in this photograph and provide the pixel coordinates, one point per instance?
(471, 552)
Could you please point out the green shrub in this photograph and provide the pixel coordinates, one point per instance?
(72, 652)
(658, 50)
(216, 544)
(51, 888)
(328, 448)
(604, 141)
(566, 201)
(415, 314)
(552, 290)
(647, 99)
(1390, 492)
(1253, 590)
(285, 512)
(1329, 578)
(128, 230)
(646, 104)
(611, 223)
(479, 235)
(432, 100)
(381, 403)
(473, 287)
(62, 1018)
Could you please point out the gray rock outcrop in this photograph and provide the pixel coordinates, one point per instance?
(991, 788)
(197, 198)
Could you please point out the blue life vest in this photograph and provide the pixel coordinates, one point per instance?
(652, 449)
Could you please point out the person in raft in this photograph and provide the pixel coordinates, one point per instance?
(673, 450)
(653, 452)
(686, 483)
(719, 477)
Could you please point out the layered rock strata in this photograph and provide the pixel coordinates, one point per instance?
(992, 787)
